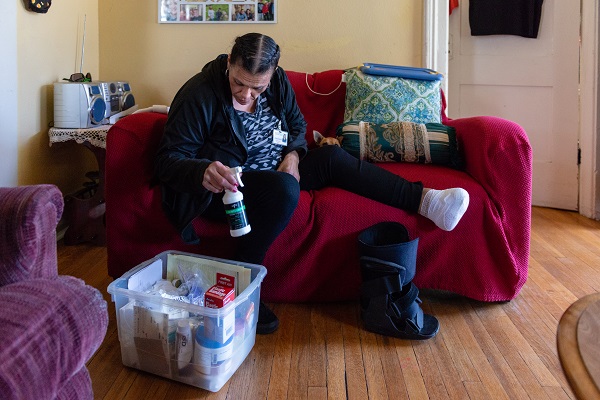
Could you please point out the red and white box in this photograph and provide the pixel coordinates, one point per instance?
(218, 296)
(219, 328)
(225, 280)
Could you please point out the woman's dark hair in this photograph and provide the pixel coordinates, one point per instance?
(255, 52)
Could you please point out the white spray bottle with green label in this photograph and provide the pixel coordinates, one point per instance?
(235, 210)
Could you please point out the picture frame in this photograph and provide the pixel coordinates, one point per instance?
(217, 11)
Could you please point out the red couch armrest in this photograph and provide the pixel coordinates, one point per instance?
(498, 155)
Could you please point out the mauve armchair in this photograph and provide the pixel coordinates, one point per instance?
(50, 325)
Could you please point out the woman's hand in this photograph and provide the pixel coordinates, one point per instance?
(218, 177)
(290, 165)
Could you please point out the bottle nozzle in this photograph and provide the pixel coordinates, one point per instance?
(236, 171)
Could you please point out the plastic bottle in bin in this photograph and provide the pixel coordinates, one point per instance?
(210, 356)
(235, 210)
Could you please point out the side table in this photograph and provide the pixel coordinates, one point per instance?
(578, 341)
(85, 214)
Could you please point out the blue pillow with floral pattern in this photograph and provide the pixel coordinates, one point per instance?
(383, 99)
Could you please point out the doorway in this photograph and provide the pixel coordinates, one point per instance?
(436, 46)
(533, 82)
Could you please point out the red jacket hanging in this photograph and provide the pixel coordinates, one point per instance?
(453, 5)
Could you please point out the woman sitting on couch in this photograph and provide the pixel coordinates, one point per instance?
(240, 110)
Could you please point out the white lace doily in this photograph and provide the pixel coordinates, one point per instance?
(95, 136)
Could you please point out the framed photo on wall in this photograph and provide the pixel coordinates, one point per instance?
(217, 11)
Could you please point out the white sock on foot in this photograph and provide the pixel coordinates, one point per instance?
(445, 207)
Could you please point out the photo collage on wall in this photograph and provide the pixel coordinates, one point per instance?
(217, 11)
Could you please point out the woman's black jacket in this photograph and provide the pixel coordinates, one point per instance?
(203, 127)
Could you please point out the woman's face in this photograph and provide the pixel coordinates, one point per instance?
(245, 86)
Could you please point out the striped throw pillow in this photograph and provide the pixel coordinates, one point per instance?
(430, 143)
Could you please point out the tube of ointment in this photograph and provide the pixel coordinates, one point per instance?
(184, 344)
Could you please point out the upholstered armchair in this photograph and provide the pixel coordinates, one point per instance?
(50, 325)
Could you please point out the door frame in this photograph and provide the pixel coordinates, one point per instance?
(589, 133)
(9, 93)
(436, 26)
(435, 56)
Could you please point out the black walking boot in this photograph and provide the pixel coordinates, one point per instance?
(389, 299)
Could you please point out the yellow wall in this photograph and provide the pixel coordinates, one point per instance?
(124, 41)
(314, 36)
(49, 49)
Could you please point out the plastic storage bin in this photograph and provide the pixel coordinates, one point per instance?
(155, 332)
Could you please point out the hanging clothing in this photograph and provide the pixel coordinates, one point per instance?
(453, 5)
(505, 17)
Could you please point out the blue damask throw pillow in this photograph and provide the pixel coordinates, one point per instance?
(384, 99)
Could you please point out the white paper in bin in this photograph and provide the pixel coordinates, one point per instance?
(161, 360)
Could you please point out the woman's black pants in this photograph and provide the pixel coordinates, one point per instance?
(271, 196)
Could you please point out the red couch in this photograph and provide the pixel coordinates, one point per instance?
(315, 258)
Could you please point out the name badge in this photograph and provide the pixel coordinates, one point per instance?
(280, 137)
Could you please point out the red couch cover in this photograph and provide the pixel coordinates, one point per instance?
(315, 258)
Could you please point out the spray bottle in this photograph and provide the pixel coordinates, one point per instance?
(235, 210)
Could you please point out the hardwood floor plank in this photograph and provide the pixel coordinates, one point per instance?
(446, 312)
(559, 394)
(280, 372)
(300, 356)
(317, 373)
(506, 338)
(158, 389)
(356, 383)
(432, 378)
(122, 384)
(376, 384)
(584, 264)
(251, 380)
(577, 285)
(581, 232)
(106, 365)
(532, 320)
(555, 291)
(492, 381)
(501, 368)
(524, 346)
(140, 387)
(541, 339)
(577, 253)
(476, 390)
(480, 361)
(317, 393)
(413, 377)
(336, 362)
(452, 381)
(392, 371)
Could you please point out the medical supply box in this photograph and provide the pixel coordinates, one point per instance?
(179, 340)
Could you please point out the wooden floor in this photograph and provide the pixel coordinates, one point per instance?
(483, 351)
